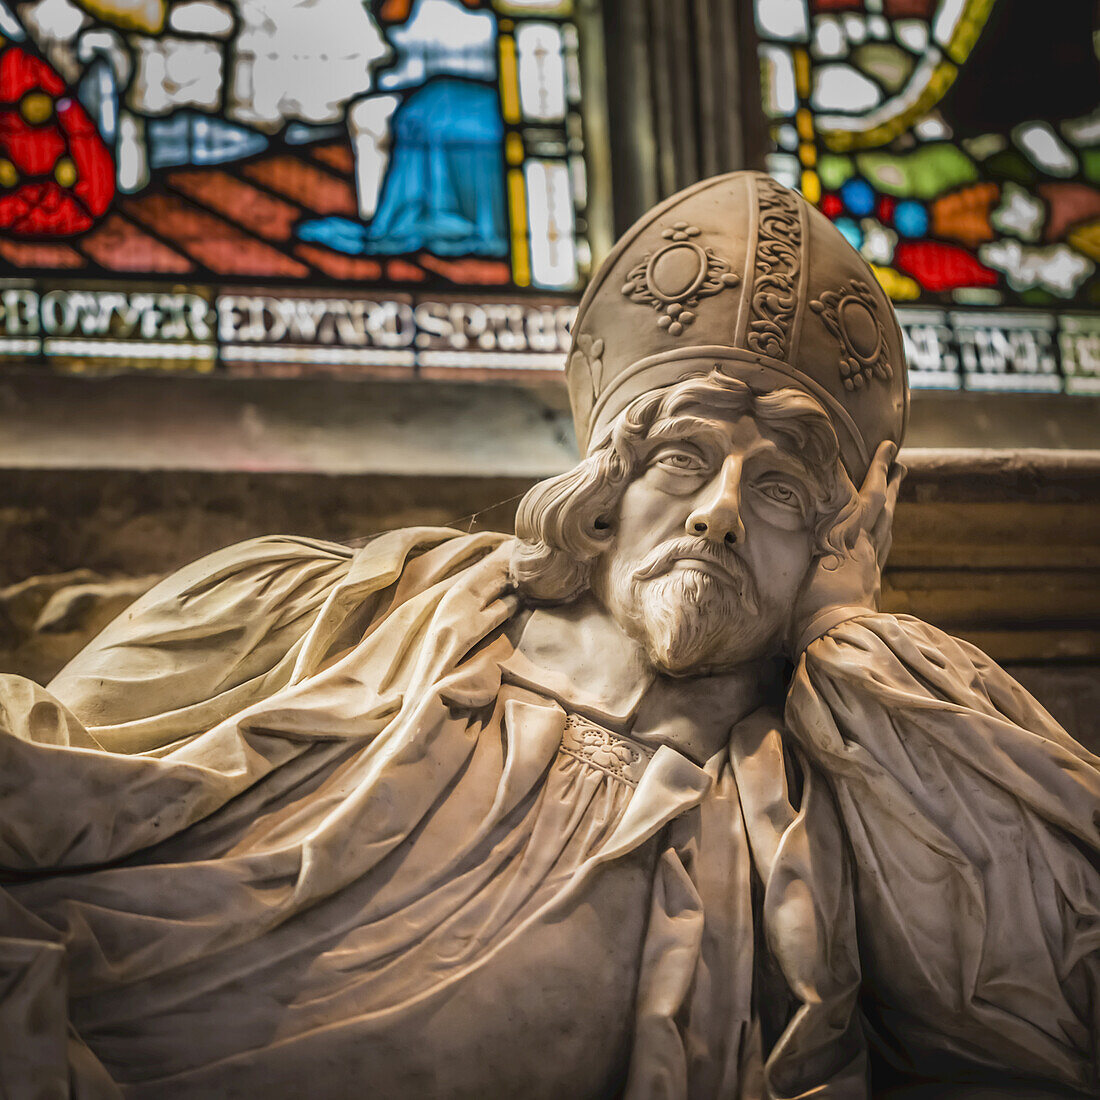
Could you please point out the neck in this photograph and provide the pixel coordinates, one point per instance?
(593, 664)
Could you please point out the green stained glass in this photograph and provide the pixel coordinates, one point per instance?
(834, 170)
(1037, 297)
(1090, 162)
(890, 65)
(938, 142)
(922, 174)
(1010, 165)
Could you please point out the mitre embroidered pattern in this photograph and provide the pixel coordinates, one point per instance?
(602, 749)
(677, 277)
(778, 263)
(851, 315)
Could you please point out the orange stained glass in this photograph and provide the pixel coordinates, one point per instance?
(405, 272)
(309, 185)
(338, 266)
(471, 272)
(255, 210)
(339, 157)
(964, 215)
(119, 245)
(221, 247)
(32, 254)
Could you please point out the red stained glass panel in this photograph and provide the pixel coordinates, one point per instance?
(940, 267)
(56, 176)
(909, 9)
(1069, 203)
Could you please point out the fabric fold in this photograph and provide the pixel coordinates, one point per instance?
(365, 810)
(965, 807)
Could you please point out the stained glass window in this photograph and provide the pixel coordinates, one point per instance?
(417, 142)
(955, 143)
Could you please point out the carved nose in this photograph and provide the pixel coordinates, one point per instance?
(718, 514)
(732, 533)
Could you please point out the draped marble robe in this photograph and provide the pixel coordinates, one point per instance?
(314, 821)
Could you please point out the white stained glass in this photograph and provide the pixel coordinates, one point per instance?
(550, 221)
(947, 19)
(829, 40)
(300, 60)
(932, 128)
(1045, 148)
(777, 72)
(1080, 342)
(10, 27)
(912, 34)
(878, 27)
(580, 181)
(784, 168)
(786, 19)
(1083, 131)
(572, 63)
(201, 17)
(369, 127)
(54, 20)
(176, 72)
(132, 164)
(854, 27)
(1057, 268)
(441, 38)
(107, 45)
(541, 72)
(842, 88)
(878, 242)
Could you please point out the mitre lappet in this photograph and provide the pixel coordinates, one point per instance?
(741, 275)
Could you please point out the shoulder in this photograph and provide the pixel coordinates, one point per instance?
(227, 629)
(211, 626)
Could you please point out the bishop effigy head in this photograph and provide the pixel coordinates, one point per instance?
(649, 800)
(735, 371)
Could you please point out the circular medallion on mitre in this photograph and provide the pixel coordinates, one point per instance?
(677, 276)
(676, 271)
(851, 315)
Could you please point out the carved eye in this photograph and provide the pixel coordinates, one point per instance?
(781, 494)
(679, 461)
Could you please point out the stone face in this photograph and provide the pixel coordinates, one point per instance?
(463, 814)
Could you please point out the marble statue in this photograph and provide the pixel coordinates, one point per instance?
(647, 801)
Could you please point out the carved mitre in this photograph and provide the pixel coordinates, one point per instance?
(742, 275)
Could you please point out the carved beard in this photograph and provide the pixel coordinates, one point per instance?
(691, 622)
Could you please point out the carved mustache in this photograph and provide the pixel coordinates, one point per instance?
(686, 550)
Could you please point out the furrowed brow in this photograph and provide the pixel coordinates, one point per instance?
(691, 429)
(786, 461)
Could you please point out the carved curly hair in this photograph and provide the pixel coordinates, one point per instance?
(564, 523)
